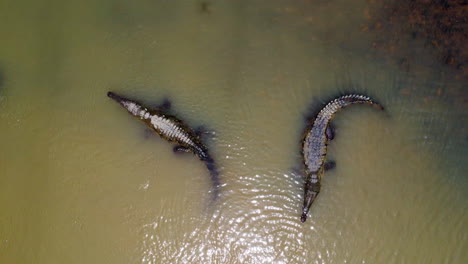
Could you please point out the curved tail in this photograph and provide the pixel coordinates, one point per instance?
(338, 103)
(214, 175)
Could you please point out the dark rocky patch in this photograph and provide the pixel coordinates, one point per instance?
(441, 25)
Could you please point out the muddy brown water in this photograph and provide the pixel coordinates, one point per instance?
(83, 182)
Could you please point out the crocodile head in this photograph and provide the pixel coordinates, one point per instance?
(312, 189)
(114, 96)
(308, 200)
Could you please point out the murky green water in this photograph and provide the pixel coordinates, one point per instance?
(83, 182)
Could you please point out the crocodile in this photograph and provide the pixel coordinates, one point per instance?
(174, 130)
(315, 141)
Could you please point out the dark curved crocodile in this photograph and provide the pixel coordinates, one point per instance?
(173, 130)
(314, 145)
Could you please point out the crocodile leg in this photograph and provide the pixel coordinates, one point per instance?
(180, 149)
(330, 132)
(147, 133)
(166, 105)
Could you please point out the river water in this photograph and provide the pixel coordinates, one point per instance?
(81, 181)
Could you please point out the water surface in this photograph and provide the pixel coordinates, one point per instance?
(83, 182)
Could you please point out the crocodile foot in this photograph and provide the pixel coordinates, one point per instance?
(329, 165)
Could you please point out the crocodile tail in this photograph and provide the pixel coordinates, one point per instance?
(339, 103)
(346, 100)
(214, 175)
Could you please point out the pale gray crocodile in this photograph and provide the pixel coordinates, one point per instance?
(314, 144)
(172, 129)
